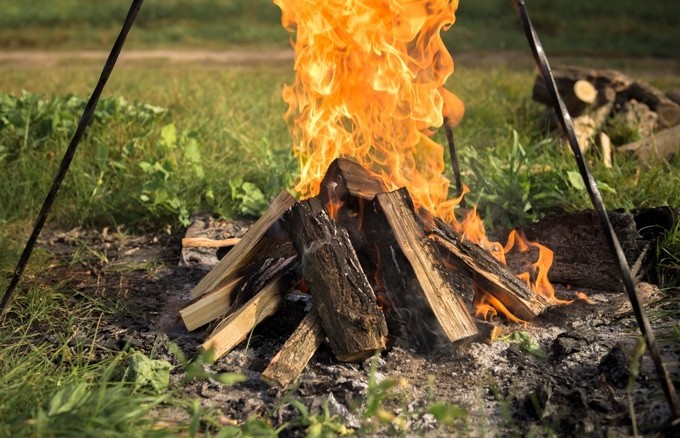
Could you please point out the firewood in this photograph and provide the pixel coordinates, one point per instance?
(246, 249)
(588, 126)
(663, 145)
(488, 332)
(432, 310)
(343, 297)
(345, 178)
(585, 91)
(235, 328)
(203, 242)
(287, 365)
(606, 148)
(234, 291)
(567, 76)
(210, 306)
(496, 279)
(668, 111)
(635, 116)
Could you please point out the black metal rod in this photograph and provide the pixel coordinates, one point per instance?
(70, 152)
(454, 160)
(596, 199)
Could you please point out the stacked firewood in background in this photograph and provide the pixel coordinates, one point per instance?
(611, 109)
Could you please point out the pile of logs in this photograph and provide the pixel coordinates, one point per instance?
(605, 102)
(376, 268)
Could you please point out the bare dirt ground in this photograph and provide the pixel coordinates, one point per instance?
(228, 57)
(574, 383)
(273, 56)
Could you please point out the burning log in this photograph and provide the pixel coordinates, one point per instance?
(581, 255)
(247, 249)
(370, 261)
(422, 297)
(343, 297)
(493, 277)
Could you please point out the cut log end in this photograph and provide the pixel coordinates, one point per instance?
(585, 91)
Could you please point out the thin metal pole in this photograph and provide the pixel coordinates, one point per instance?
(598, 203)
(454, 160)
(70, 152)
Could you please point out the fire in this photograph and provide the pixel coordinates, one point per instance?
(537, 279)
(369, 79)
(369, 85)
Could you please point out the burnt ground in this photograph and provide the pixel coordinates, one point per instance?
(574, 384)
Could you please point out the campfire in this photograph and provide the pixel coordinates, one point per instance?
(376, 241)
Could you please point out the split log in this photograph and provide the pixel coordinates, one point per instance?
(204, 242)
(430, 308)
(668, 111)
(287, 365)
(236, 290)
(581, 255)
(494, 277)
(586, 127)
(346, 179)
(234, 329)
(606, 148)
(247, 248)
(210, 306)
(343, 297)
(663, 145)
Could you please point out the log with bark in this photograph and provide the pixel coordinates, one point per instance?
(343, 296)
(657, 101)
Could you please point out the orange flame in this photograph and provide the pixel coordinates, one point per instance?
(537, 279)
(488, 306)
(369, 79)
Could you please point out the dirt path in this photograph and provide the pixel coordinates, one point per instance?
(277, 56)
(226, 57)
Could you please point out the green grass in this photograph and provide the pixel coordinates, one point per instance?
(228, 130)
(565, 26)
(187, 139)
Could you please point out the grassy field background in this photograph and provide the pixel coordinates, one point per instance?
(172, 139)
(566, 26)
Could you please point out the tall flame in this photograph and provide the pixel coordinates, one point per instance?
(369, 85)
(369, 78)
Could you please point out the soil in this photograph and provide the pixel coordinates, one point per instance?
(521, 60)
(574, 385)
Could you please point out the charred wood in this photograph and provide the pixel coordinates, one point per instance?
(343, 296)
(429, 306)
